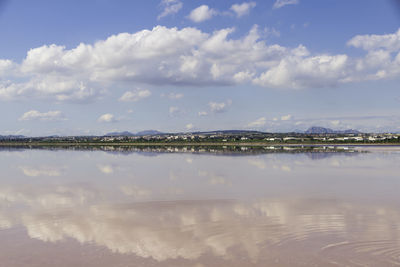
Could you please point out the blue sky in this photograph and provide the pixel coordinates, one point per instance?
(91, 67)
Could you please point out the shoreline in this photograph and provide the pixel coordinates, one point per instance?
(243, 144)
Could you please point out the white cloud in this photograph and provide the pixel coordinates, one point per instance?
(134, 96)
(243, 76)
(258, 123)
(335, 122)
(242, 9)
(299, 70)
(173, 111)
(50, 86)
(286, 117)
(189, 57)
(202, 13)
(282, 3)
(45, 116)
(16, 132)
(382, 59)
(107, 118)
(171, 7)
(216, 107)
(202, 113)
(390, 42)
(271, 32)
(189, 126)
(175, 95)
(5, 66)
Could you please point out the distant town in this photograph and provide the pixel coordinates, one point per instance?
(314, 135)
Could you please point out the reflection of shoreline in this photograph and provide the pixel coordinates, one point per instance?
(312, 151)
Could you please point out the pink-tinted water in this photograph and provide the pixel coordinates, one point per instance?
(83, 208)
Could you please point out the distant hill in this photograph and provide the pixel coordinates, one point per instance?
(228, 132)
(13, 137)
(149, 132)
(322, 130)
(311, 130)
(120, 134)
(155, 132)
(126, 133)
(319, 130)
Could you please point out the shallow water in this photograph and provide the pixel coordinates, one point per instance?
(149, 207)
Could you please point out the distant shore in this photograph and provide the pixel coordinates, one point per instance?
(36, 144)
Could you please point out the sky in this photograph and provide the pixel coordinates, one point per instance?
(98, 66)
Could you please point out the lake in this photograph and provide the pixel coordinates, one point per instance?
(184, 206)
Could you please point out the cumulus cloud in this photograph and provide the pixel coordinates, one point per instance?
(189, 126)
(202, 113)
(107, 118)
(134, 96)
(189, 57)
(171, 7)
(51, 86)
(283, 118)
(5, 66)
(335, 122)
(390, 42)
(258, 123)
(382, 59)
(45, 116)
(299, 70)
(219, 107)
(242, 9)
(173, 111)
(202, 13)
(174, 96)
(282, 3)
(271, 32)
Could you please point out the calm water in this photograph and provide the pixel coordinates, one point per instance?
(167, 208)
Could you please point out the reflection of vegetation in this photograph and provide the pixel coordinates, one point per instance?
(229, 138)
(194, 149)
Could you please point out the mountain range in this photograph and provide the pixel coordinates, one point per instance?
(155, 132)
(311, 130)
(8, 137)
(322, 130)
(126, 133)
